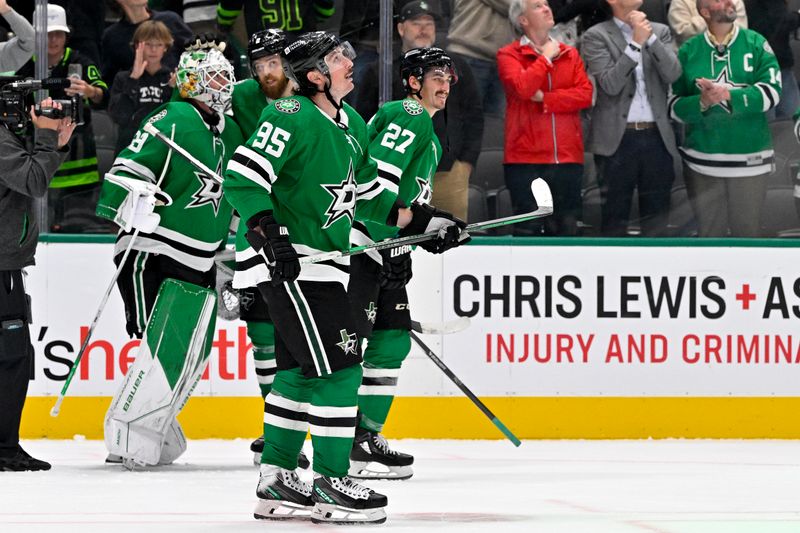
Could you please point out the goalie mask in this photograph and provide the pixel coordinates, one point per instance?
(419, 61)
(206, 76)
(317, 50)
(264, 43)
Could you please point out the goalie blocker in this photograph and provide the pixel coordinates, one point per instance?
(140, 425)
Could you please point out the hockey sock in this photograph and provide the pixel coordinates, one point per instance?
(286, 418)
(262, 335)
(332, 420)
(385, 353)
(325, 405)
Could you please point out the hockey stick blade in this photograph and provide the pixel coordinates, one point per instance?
(474, 399)
(539, 189)
(440, 328)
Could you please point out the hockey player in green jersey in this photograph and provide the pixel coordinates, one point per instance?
(179, 213)
(730, 80)
(250, 97)
(299, 182)
(407, 152)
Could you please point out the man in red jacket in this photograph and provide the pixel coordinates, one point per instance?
(546, 87)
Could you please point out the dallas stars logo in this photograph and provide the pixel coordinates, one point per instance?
(210, 192)
(372, 312)
(425, 191)
(724, 80)
(344, 199)
(349, 342)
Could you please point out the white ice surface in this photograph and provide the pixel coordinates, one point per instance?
(667, 486)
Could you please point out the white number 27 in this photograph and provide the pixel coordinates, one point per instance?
(394, 132)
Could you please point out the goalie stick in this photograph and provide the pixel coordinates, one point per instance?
(479, 404)
(57, 406)
(539, 189)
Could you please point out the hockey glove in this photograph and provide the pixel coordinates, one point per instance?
(273, 241)
(426, 219)
(396, 270)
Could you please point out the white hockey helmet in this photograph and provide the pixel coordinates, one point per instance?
(205, 75)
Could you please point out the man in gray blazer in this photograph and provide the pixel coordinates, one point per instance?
(633, 64)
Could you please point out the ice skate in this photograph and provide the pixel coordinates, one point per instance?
(282, 495)
(257, 446)
(371, 458)
(340, 500)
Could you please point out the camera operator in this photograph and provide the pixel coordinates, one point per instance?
(25, 174)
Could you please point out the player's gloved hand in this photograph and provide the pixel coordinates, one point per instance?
(396, 270)
(141, 199)
(273, 239)
(426, 219)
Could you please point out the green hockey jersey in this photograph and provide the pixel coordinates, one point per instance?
(248, 103)
(407, 152)
(730, 139)
(194, 225)
(314, 174)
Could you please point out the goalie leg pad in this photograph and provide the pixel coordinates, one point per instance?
(140, 425)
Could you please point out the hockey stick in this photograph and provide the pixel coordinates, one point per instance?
(152, 130)
(480, 405)
(539, 189)
(57, 407)
(440, 328)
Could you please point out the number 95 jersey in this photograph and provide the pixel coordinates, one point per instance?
(313, 174)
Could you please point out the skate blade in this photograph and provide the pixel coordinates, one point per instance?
(281, 510)
(373, 470)
(328, 513)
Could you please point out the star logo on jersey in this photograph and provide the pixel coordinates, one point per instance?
(210, 192)
(349, 342)
(344, 199)
(724, 80)
(372, 312)
(288, 105)
(412, 107)
(425, 191)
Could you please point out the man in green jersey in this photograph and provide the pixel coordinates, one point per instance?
(177, 238)
(730, 80)
(298, 183)
(407, 152)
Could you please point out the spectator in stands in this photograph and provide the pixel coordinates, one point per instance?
(730, 80)
(15, 52)
(76, 182)
(478, 29)
(117, 52)
(546, 88)
(137, 92)
(775, 21)
(303, 17)
(574, 17)
(459, 128)
(633, 62)
(686, 22)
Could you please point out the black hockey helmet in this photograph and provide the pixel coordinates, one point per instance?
(308, 53)
(265, 43)
(417, 61)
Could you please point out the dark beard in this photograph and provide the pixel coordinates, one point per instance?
(274, 91)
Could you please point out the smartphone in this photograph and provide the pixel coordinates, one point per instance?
(75, 70)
